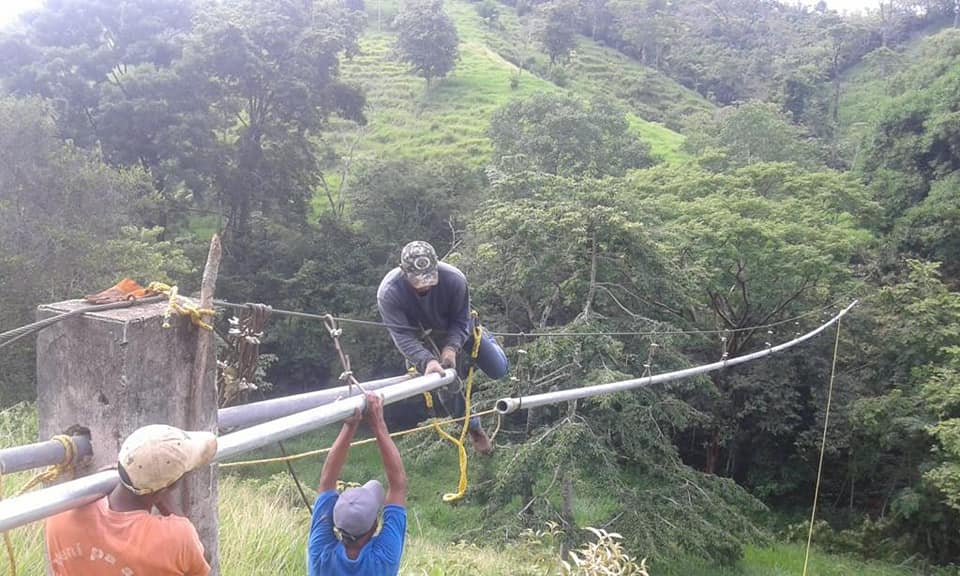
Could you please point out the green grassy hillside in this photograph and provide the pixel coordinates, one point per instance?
(449, 119)
(593, 69)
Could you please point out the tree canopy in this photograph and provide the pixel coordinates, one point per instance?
(631, 187)
(426, 38)
(564, 137)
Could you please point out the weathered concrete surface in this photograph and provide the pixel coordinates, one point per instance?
(115, 371)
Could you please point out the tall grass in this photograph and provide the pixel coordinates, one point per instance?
(264, 524)
(18, 426)
(780, 560)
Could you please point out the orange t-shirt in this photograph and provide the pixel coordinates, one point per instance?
(93, 540)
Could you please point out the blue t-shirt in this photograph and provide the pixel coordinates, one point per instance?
(326, 555)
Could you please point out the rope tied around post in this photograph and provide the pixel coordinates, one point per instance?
(175, 305)
(64, 468)
(347, 375)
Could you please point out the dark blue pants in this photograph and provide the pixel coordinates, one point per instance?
(490, 359)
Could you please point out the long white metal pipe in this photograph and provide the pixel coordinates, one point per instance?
(50, 452)
(508, 405)
(40, 504)
(245, 415)
(276, 430)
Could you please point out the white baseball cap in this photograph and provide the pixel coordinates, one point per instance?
(156, 456)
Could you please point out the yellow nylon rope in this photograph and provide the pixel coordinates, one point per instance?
(451, 497)
(196, 314)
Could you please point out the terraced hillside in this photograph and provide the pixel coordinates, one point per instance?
(449, 120)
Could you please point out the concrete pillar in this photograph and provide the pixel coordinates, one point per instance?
(115, 371)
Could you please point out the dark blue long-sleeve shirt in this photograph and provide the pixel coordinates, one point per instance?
(445, 308)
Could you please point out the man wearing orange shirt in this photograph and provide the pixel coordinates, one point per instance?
(118, 534)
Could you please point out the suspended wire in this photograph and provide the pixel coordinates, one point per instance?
(324, 317)
(11, 336)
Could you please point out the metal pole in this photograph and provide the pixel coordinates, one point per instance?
(508, 405)
(276, 430)
(40, 454)
(256, 412)
(38, 505)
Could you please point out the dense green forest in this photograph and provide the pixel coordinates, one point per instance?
(690, 179)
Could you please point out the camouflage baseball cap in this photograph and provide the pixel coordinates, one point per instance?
(419, 261)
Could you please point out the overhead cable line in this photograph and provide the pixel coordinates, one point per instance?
(325, 317)
(11, 336)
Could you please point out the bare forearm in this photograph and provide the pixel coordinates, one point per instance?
(392, 465)
(336, 458)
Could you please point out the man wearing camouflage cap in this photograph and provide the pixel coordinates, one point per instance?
(423, 294)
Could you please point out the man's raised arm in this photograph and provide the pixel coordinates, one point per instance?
(392, 464)
(337, 455)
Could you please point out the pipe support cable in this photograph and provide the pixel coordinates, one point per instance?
(509, 405)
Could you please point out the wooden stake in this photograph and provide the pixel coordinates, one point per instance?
(205, 337)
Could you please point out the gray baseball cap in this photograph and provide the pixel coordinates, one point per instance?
(418, 260)
(356, 510)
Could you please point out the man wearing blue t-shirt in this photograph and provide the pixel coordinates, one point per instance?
(353, 514)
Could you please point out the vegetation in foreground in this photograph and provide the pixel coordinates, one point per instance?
(264, 524)
(804, 158)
